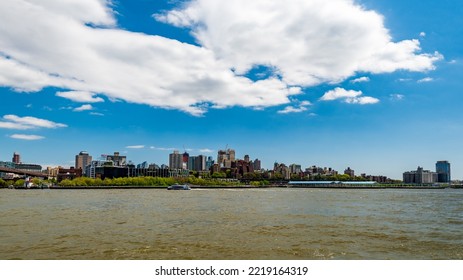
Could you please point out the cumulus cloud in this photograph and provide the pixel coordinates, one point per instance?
(72, 53)
(24, 123)
(301, 107)
(76, 46)
(86, 107)
(291, 109)
(340, 93)
(360, 80)
(29, 137)
(80, 96)
(308, 42)
(363, 100)
(348, 96)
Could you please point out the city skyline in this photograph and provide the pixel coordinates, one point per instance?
(225, 160)
(375, 88)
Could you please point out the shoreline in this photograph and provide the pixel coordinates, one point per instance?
(246, 187)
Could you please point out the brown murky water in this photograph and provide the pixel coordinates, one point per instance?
(231, 224)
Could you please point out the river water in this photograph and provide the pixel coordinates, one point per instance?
(273, 223)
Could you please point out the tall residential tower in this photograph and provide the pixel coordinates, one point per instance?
(16, 158)
(443, 171)
(83, 159)
(175, 160)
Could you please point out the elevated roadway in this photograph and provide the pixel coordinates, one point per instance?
(22, 172)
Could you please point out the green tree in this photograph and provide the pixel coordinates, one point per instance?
(67, 183)
(19, 183)
(277, 176)
(219, 175)
(36, 181)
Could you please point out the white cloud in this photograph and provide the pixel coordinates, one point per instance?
(425, 80)
(163, 72)
(340, 93)
(422, 34)
(291, 109)
(348, 96)
(136, 147)
(96, 114)
(76, 45)
(363, 100)
(207, 151)
(308, 42)
(29, 137)
(13, 125)
(360, 80)
(80, 96)
(305, 103)
(301, 107)
(85, 107)
(24, 123)
(396, 97)
(404, 80)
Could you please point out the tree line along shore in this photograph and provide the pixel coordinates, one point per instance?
(162, 182)
(134, 181)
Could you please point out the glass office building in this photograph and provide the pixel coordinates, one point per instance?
(443, 171)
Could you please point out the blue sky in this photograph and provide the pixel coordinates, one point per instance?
(373, 85)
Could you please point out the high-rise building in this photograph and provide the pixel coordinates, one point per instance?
(282, 170)
(197, 163)
(185, 161)
(420, 176)
(117, 159)
(209, 163)
(295, 168)
(83, 159)
(349, 172)
(231, 154)
(192, 162)
(175, 160)
(201, 163)
(221, 156)
(257, 164)
(143, 165)
(226, 158)
(443, 171)
(16, 158)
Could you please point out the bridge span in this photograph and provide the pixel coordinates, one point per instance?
(23, 172)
